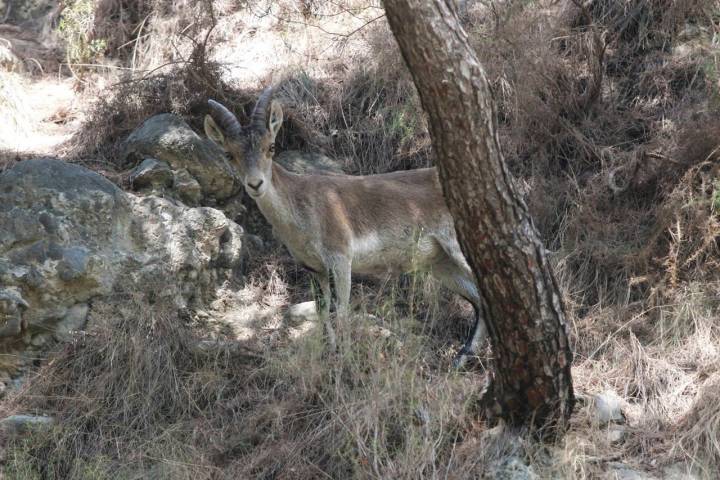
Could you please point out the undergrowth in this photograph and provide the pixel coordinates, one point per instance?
(144, 391)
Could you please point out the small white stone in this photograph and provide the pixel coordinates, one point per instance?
(620, 471)
(302, 312)
(616, 434)
(608, 408)
(679, 471)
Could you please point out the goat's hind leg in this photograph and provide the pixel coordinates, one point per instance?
(455, 274)
(469, 349)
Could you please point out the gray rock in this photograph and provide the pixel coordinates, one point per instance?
(151, 173)
(72, 236)
(49, 174)
(12, 306)
(73, 264)
(301, 162)
(510, 468)
(16, 425)
(680, 471)
(49, 222)
(187, 188)
(607, 407)
(234, 209)
(231, 249)
(302, 312)
(73, 321)
(254, 241)
(620, 471)
(168, 138)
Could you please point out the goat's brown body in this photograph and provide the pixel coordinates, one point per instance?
(390, 223)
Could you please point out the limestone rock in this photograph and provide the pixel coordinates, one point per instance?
(151, 173)
(234, 208)
(70, 236)
(168, 138)
(73, 321)
(12, 306)
(187, 188)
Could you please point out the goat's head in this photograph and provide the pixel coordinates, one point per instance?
(251, 148)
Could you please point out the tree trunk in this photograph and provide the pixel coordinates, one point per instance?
(522, 305)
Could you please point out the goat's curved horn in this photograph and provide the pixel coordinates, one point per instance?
(259, 113)
(224, 117)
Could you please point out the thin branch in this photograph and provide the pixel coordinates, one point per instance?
(268, 12)
(337, 34)
(97, 65)
(148, 73)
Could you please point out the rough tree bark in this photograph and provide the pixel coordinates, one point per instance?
(522, 305)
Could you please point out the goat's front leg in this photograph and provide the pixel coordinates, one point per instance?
(340, 281)
(323, 297)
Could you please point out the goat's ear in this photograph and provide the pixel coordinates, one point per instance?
(275, 118)
(213, 131)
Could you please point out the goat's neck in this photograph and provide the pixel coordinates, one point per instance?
(277, 204)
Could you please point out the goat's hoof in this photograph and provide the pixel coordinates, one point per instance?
(461, 359)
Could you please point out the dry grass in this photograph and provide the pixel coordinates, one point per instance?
(108, 415)
(276, 405)
(383, 407)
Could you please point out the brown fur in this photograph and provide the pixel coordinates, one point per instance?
(343, 209)
(340, 224)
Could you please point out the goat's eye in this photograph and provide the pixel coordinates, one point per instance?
(272, 148)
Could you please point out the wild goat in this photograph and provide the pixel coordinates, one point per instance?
(335, 225)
